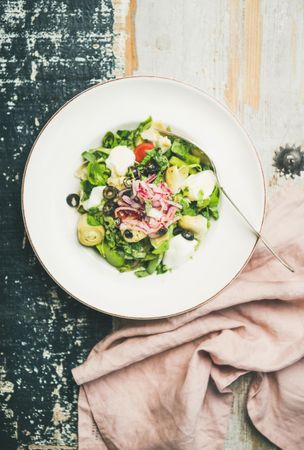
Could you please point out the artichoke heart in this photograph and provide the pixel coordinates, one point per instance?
(175, 177)
(116, 182)
(82, 172)
(198, 225)
(89, 235)
(137, 236)
(158, 241)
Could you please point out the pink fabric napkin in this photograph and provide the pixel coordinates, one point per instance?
(164, 384)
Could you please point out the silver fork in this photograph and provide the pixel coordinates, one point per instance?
(207, 161)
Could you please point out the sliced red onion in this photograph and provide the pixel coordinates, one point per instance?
(131, 202)
(132, 209)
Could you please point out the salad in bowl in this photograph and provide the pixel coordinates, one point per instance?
(145, 200)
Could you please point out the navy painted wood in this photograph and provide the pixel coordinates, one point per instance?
(49, 51)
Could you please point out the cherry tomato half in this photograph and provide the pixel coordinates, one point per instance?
(141, 150)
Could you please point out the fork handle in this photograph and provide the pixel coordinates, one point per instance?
(258, 235)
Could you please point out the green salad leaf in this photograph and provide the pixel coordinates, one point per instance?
(88, 156)
(162, 248)
(87, 188)
(109, 140)
(215, 197)
(159, 158)
(180, 148)
(201, 201)
(130, 138)
(124, 134)
(214, 212)
(161, 268)
(98, 154)
(92, 220)
(146, 256)
(101, 153)
(98, 173)
(153, 264)
(144, 125)
(115, 258)
(142, 273)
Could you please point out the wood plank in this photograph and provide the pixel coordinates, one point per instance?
(252, 53)
(124, 45)
(249, 55)
(209, 45)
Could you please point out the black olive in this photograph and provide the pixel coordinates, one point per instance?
(127, 192)
(187, 235)
(73, 200)
(128, 234)
(162, 231)
(110, 192)
(109, 208)
(151, 168)
(135, 171)
(127, 182)
(177, 230)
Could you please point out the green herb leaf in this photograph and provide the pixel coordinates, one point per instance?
(137, 139)
(123, 134)
(194, 168)
(92, 220)
(144, 125)
(215, 197)
(109, 140)
(141, 273)
(174, 161)
(115, 258)
(180, 148)
(188, 208)
(88, 156)
(152, 266)
(191, 159)
(87, 188)
(159, 158)
(98, 173)
(161, 268)
(161, 249)
(101, 153)
(214, 212)
(202, 202)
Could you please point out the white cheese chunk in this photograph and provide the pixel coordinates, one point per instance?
(204, 181)
(179, 251)
(95, 198)
(120, 159)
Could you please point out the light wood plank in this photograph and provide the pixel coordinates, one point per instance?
(249, 54)
(253, 64)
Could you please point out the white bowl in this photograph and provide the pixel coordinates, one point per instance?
(49, 177)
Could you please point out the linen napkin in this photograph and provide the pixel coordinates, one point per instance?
(164, 384)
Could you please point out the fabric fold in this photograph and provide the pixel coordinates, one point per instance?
(164, 384)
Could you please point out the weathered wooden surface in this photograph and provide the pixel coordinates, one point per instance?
(247, 53)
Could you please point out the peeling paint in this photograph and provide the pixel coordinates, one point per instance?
(48, 53)
(124, 37)
(34, 71)
(252, 53)
(231, 90)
